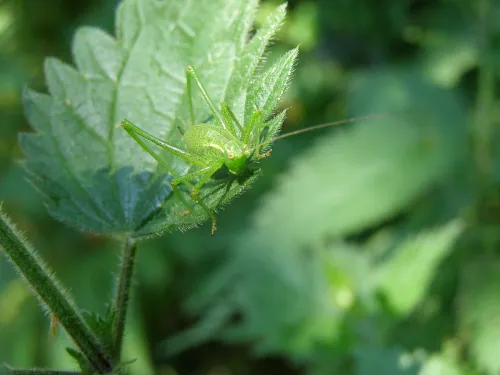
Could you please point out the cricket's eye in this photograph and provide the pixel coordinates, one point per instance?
(230, 155)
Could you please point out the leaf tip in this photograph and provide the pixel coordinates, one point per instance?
(49, 63)
(291, 57)
(282, 8)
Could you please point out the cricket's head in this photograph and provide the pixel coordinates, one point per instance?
(235, 159)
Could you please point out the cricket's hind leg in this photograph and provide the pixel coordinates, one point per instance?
(222, 118)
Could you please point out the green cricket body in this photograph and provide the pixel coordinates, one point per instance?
(209, 148)
(217, 145)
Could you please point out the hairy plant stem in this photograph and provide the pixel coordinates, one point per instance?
(51, 295)
(14, 371)
(122, 295)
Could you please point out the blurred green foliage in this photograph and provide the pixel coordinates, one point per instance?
(368, 249)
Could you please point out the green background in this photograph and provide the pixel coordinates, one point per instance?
(372, 250)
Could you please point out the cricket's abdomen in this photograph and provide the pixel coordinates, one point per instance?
(211, 142)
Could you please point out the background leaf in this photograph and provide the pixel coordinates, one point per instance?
(405, 277)
(354, 178)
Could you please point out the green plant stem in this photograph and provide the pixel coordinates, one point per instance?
(14, 371)
(483, 131)
(122, 294)
(50, 294)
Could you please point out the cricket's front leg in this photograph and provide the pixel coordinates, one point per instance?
(205, 174)
(196, 198)
(180, 195)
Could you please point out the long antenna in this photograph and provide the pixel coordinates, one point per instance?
(325, 125)
(328, 124)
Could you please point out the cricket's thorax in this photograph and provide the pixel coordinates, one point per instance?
(217, 144)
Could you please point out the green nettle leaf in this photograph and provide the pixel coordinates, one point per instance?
(80, 359)
(479, 313)
(316, 289)
(93, 175)
(102, 325)
(404, 278)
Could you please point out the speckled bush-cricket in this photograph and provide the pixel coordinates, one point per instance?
(223, 149)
